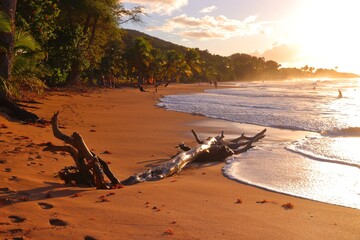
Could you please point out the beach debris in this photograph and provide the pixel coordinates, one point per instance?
(238, 201)
(169, 232)
(266, 201)
(106, 152)
(287, 206)
(102, 199)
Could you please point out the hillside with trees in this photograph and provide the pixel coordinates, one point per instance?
(236, 67)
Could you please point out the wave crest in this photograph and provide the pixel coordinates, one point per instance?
(342, 132)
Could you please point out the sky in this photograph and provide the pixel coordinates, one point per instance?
(295, 33)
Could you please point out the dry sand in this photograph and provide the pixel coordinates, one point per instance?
(198, 203)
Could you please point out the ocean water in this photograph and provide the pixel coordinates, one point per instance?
(323, 166)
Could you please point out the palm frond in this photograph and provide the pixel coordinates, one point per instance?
(25, 42)
(5, 25)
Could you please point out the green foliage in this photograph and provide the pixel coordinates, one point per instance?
(5, 25)
(139, 58)
(39, 18)
(28, 67)
(112, 63)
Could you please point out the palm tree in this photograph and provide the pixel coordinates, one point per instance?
(140, 57)
(8, 7)
(174, 65)
(5, 27)
(192, 60)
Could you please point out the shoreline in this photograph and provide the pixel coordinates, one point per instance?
(198, 203)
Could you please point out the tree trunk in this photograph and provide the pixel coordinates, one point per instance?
(74, 76)
(14, 111)
(7, 38)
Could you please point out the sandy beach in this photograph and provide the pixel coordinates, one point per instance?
(198, 203)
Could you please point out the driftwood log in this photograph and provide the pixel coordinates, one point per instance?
(212, 149)
(90, 169)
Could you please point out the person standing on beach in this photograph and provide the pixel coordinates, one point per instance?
(340, 94)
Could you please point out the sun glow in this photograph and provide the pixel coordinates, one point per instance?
(326, 33)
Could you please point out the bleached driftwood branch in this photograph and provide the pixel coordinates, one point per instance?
(211, 149)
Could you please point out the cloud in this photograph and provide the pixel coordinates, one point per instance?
(281, 53)
(208, 9)
(163, 7)
(210, 27)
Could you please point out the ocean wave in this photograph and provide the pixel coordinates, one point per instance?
(320, 158)
(342, 132)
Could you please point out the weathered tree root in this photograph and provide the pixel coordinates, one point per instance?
(91, 168)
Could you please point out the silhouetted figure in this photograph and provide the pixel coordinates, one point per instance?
(340, 94)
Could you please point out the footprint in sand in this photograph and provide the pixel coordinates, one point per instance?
(89, 238)
(16, 219)
(15, 230)
(3, 161)
(57, 222)
(18, 238)
(45, 205)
